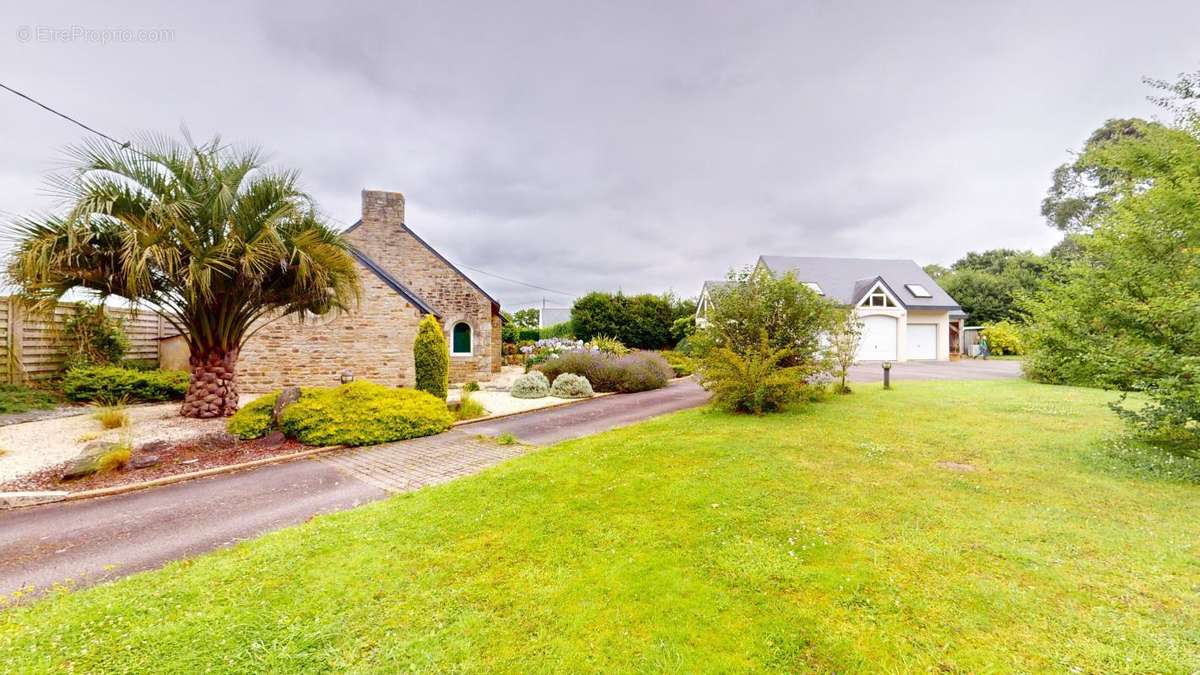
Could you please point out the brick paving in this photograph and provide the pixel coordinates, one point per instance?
(409, 465)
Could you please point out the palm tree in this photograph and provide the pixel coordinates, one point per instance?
(204, 234)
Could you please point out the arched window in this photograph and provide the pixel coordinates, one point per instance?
(460, 338)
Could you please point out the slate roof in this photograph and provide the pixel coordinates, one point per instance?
(847, 280)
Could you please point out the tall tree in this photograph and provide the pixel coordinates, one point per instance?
(1081, 191)
(203, 233)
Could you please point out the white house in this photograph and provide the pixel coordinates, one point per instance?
(905, 314)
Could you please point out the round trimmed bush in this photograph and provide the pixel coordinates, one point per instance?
(531, 385)
(568, 385)
(638, 371)
(364, 413)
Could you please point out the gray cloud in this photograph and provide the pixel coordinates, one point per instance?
(643, 146)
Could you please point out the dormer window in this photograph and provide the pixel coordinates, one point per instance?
(877, 298)
(814, 287)
(918, 291)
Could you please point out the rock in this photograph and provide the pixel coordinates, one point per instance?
(143, 461)
(217, 440)
(152, 447)
(88, 460)
(287, 396)
(273, 439)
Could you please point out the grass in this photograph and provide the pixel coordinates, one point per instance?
(112, 417)
(15, 398)
(947, 526)
(468, 408)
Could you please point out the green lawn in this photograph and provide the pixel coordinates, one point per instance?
(827, 539)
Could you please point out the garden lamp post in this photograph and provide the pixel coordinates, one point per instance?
(887, 374)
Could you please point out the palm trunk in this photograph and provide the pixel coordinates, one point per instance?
(212, 391)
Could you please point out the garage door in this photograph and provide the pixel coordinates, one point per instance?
(922, 341)
(878, 339)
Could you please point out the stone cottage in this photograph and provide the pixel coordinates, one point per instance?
(403, 279)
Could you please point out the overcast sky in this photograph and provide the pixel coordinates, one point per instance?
(640, 146)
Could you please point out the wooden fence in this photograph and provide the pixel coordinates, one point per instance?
(30, 348)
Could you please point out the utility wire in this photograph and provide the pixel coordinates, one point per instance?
(123, 144)
(485, 272)
(126, 145)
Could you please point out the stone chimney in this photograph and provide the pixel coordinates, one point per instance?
(383, 207)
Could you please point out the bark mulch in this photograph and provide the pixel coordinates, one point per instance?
(187, 456)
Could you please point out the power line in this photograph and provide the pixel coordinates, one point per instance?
(123, 144)
(490, 274)
(522, 283)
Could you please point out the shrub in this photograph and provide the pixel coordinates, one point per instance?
(638, 371)
(254, 419)
(88, 336)
(531, 385)
(640, 321)
(609, 345)
(680, 363)
(19, 398)
(558, 330)
(431, 357)
(569, 385)
(364, 413)
(113, 383)
(1003, 337)
(469, 408)
(755, 383)
(471, 386)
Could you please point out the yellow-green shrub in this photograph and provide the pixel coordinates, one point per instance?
(1004, 337)
(363, 413)
(254, 419)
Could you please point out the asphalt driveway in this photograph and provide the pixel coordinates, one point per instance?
(86, 542)
(916, 371)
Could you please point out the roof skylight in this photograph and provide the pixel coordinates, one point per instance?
(918, 290)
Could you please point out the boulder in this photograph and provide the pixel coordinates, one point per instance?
(88, 460)
(153, 447)
(287, 396)
(273, 439)
(143, 461)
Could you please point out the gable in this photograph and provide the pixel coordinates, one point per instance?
(394, 250)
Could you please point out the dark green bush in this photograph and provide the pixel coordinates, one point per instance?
(558, 330)
(254, 419)
(364, 413)
(639, 371)
(638, 321)
(431, 356)
(113, 383)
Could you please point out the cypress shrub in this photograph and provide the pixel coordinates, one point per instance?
(431, 355)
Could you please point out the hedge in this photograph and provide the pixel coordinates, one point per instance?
(108, 384)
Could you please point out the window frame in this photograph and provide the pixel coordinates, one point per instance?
(470, 339)
(913, 288)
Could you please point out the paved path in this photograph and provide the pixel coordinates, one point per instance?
(89, 541)
(968, 369)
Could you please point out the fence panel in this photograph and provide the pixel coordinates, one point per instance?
(32, 348)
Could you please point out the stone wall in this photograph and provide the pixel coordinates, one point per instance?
(375, 340)
(383, 236)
